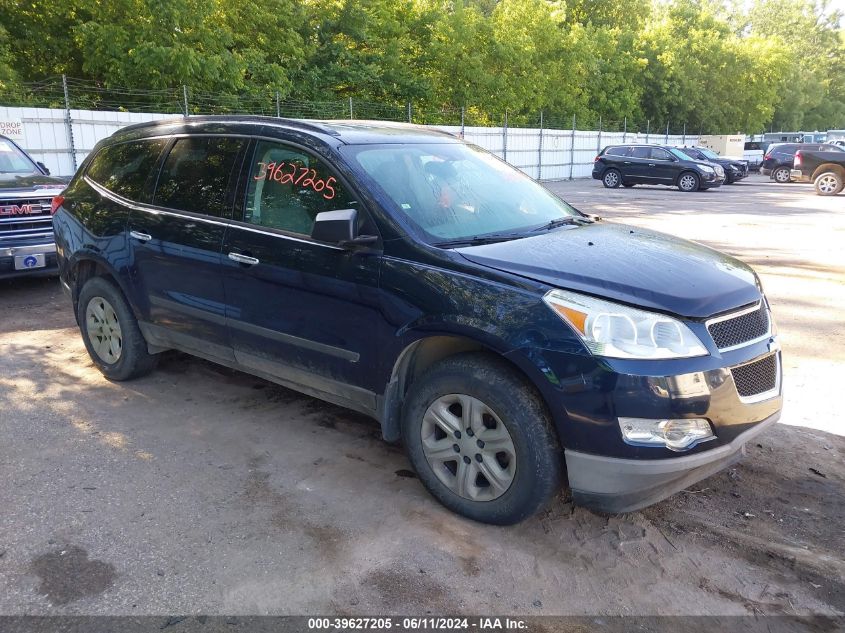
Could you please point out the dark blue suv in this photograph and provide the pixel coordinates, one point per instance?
(510, 341)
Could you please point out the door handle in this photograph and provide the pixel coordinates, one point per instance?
(141, 237)
(243, 259)
(652, 165)
(626, 162)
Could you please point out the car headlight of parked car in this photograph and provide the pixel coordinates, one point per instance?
(707, 169)
(614, 330)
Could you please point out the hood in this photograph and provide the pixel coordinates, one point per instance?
(15, 183)
(623, 263)
(725, 161)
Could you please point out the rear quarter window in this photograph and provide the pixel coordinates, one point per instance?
(124, 168)
(616, 151)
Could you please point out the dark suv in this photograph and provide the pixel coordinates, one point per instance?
(404, 274)
(735, 169)
(630, 165)
(26, 228)
(779, 158)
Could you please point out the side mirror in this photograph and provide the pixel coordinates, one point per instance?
(341, 228)
(43, 168)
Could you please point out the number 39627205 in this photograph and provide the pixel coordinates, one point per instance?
(290, 173)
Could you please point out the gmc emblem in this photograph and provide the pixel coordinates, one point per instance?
(22, 209)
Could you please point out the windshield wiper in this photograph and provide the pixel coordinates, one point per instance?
(477, 240)
(564, 221)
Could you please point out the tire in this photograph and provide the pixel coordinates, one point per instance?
(611, 178)
(829, 183)
(110, 332)
(781, 175)
(526, 473)
(729, 180)
(689, 181)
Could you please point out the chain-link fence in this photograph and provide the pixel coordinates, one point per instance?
(63, 118)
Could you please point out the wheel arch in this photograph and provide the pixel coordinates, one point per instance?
(826, 167)
(87, 266)
(687, 170)
(420, 354)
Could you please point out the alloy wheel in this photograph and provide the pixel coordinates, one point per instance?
(468, 447)
(611, 179)
(782, 175)
(687, 182)
(103, 330)
(827, 184)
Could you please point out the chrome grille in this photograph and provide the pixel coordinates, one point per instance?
(14, 224)
(739, 328)
(757, 378)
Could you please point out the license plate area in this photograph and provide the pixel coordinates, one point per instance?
(31, 261)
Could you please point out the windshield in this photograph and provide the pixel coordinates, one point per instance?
(708, 153)
(13, 160)
(683, 154)
(455, 191)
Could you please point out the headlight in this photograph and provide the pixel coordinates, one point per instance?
(707, 169)
(617, 331)
(719, 171)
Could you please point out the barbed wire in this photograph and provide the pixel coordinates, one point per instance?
(84, 94)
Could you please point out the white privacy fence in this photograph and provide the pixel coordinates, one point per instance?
(61, 139)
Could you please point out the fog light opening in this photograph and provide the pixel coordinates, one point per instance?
(674, 434)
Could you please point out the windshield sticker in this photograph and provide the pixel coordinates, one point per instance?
(291, 173)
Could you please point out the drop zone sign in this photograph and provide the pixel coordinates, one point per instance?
(13, 129)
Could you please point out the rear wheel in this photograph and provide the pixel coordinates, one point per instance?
(688, 181)
(481, 440)
(829, 183)
(110, 332)
(612, 178)
(781, 175)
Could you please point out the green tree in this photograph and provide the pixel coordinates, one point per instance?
(8, 74)
(815, 75)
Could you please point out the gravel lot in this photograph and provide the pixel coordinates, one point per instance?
(199, 490)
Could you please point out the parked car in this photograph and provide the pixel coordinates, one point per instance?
(735, 169)
(630, 165)
(26, 229)
(826, 170)
(753, 153)
(778, 161)
(397, 271)
(838, 142)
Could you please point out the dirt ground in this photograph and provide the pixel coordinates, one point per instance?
(198, 490)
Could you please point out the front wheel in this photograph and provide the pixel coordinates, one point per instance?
(781, 175)
(612, 178)
(480, 439)
(688, 181)
(829, 183)
(111, 333)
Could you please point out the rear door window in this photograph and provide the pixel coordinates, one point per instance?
(198, 174)
(288, 187)
(640, 152)
(124, 168)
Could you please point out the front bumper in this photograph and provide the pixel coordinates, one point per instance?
(9, 253)
(611, 484)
